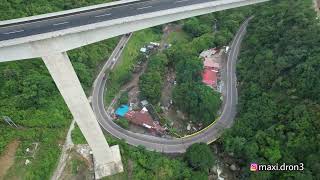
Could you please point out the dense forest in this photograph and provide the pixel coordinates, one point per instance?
(191, 96)
(151, 82)
(204, 32)
(279, 85)
(141, 164)
(30, 98)
(279, 82)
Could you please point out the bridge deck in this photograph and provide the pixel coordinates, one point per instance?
(81, 18)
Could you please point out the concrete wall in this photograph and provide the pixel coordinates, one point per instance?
(64, 40)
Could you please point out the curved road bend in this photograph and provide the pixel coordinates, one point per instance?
(175, 145)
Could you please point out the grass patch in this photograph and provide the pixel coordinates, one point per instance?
(178, 37)
(45, 160)
(122, 72)
(123, 122)
(120, 176)
(77, 167)
(77, 136)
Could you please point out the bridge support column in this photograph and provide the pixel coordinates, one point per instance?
(107, 160)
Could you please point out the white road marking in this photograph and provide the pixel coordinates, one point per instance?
(102, 15)
(68, 15)
(234, 44)
(181, 1)
(146, 7)
(58, 24)
(233, 57)
(12, 32)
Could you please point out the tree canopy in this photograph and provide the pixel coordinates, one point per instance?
(279, 82)
(151, 82)
(150, 85)
(198, 100)
(189, 70)
(199, 156)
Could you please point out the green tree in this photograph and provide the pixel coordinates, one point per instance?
(179, 52)
(198, 100)
(150, 86)
(151, 82)
(123, 122)
(189, 70)
(278, 111)
(124, 98)
(195, 28)
(199, 156)
(158, 63)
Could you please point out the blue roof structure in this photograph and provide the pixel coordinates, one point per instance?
(122, 110)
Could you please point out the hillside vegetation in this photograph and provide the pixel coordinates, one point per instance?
(190, 95)
(279, 82)
(30, 98)
(279, 108)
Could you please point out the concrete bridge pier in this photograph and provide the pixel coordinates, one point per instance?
(107, 160)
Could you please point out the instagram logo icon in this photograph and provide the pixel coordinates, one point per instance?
(253, 167)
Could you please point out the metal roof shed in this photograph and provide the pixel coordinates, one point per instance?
(122, 110)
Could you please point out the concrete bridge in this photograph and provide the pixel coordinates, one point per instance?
(51, 35)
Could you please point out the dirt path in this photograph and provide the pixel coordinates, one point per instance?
(135, 78)
(7, 159)
(64, 154)
(133, 86)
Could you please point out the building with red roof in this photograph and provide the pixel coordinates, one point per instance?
(143, 118)
(211, 63)
(209, 77)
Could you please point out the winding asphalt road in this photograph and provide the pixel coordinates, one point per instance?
(176, 145)
(81, 18)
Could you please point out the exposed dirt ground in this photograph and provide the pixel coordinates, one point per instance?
(166, 32)
(133, 90)
(130, 168)
(132, 86)
(178, 119)
(166, 93)
(7, 159)
(77, 168)
(317, 5)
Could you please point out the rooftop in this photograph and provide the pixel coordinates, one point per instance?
(210, 63)
(122, 110)
(209, 77)
(143, 118)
